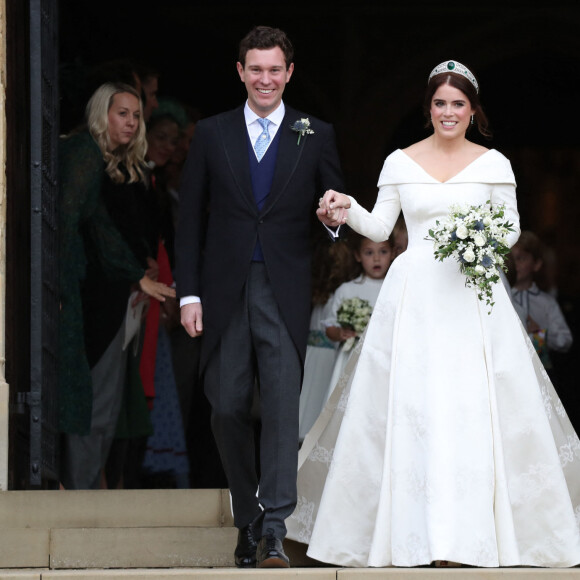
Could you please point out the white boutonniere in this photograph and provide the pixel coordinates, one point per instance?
(302, 127)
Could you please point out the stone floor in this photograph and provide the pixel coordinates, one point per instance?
(165, 535)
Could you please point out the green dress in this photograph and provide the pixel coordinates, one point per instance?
(82, 213)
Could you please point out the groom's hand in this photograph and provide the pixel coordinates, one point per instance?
(191, 319)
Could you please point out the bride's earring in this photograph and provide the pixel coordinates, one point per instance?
(472, 119)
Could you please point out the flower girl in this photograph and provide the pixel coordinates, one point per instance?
(374, 259)
(332, 264)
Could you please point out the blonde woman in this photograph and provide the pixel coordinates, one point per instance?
(107, 153)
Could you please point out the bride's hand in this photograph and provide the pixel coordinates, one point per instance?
(333, 208)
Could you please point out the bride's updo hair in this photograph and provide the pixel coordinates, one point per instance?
(460, 82)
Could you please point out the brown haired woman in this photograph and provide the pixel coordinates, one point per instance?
(447, 441)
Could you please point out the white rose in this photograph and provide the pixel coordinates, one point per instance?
(468, 256)
(486, 221)
(479, 269)
(479, 240)
(462, 232)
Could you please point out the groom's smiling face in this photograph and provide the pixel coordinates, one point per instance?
(265, 76)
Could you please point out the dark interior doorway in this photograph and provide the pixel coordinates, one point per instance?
(357, 66)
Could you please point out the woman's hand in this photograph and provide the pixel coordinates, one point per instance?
(332, 210)
(156, 290)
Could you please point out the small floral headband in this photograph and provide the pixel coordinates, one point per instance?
(455, 67)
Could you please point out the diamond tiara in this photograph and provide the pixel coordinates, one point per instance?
(454, 67)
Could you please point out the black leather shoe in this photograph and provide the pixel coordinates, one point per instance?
(245, 553)
(271, 553)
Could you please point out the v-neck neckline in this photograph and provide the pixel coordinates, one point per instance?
(453, 176)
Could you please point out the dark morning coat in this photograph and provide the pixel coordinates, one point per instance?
(219, 221)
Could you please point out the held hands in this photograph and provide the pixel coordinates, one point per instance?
(192, 319)
(332, 210)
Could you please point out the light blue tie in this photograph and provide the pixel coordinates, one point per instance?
(263, 140)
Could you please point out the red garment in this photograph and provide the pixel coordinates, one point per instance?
(149, 352)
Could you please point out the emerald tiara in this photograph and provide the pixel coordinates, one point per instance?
(455, 67)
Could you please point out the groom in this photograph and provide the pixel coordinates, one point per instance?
(247, 200)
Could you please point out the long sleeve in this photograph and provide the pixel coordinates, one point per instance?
(378, 224)
(81, 208)
(546, 313)
(81, 169)
(338, 297)
(559, 333)
(83, 212)
(192, 214)
(505, 193)
(114, 254)
(82, 217)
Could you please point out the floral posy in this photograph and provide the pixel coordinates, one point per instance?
(476, 237)
(302, 127)
(354, 313)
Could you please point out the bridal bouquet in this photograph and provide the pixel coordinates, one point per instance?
(353, 313)
(476, 237)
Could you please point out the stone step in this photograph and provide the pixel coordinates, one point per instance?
(164, 534)
(302, 573)
(161, 547)
(115, 508)
(120, 529)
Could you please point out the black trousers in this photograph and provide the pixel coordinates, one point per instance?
(256, 346)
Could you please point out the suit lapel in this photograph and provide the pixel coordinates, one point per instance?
(235, 141)
(289, 154)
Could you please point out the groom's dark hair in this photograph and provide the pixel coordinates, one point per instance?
(264, 38)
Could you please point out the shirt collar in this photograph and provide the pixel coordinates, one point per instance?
(533, 290)
(276, 116)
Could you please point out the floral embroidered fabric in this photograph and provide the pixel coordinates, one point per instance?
(444, 438)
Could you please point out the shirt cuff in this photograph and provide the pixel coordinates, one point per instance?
(189, 300)
(334, 233)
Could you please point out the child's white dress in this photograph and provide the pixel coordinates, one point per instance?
(364, 288)
(318, 365)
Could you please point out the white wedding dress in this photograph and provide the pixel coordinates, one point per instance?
(444, 439)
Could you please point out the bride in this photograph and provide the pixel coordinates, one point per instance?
(444, 439)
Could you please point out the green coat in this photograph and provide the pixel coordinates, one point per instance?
(82, 212)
